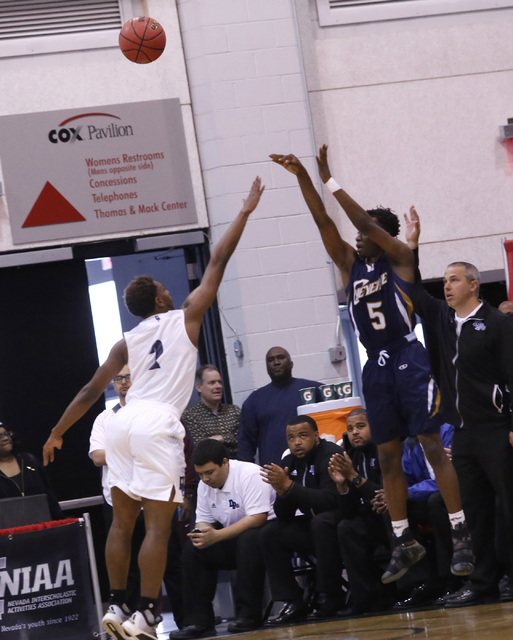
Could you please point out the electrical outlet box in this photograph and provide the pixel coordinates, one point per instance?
(237, 347)
(337, 354)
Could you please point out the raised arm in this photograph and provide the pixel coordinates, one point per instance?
(398, 253)
(412, 229)
(340, 251)
(199, 300)
(86, 397)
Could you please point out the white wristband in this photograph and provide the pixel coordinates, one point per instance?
(332, 185)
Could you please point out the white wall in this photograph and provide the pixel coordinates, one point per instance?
(95, 77)
(240, 81)
(411, 110)
(249, 100)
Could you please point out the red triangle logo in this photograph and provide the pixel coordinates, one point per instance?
(51, 208)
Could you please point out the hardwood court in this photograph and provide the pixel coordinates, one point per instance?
(468, 623)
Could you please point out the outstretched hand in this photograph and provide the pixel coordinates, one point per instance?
(342, 463)
(322, 163)
(336, 475)
(412, 228)
(277, 477)
(250, 203)
(53, 442)
(289, 162)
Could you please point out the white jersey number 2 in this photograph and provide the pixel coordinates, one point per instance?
(158, 350)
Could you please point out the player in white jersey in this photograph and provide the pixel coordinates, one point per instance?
(145, 441)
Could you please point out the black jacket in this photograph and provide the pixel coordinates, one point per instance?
(475, 368)
(313, 490)
(366, 463)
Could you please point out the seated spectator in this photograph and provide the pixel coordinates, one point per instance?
(21, 474)
(211, 417)
(306, 498)
(233, 508)
(267, 410)
(361, 531)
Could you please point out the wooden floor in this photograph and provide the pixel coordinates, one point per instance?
(494, 621)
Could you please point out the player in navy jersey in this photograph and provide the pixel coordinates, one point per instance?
(401, 395)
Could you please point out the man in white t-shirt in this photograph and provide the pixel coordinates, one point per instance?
(145, 438)
(234, 504)
(121, 384)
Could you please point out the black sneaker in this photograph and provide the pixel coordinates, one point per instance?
(407, 551)
(506, 589)
(328, 604)
(241, 625)
(462, 563)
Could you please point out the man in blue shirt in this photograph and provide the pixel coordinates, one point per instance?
(267, 410)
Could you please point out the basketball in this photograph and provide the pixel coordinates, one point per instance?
(142, 40)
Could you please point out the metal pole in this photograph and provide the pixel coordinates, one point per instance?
(94, 573)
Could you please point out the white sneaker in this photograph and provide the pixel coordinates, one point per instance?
(113, 620)
(138, 626)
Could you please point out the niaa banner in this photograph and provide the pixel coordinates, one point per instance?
(45, 584)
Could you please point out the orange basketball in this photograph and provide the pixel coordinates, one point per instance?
(142, 40)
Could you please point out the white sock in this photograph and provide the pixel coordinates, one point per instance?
(457, 518)
(399, 527)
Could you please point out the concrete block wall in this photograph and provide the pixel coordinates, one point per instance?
(249, 99)
(412, 111)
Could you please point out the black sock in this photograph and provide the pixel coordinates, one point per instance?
(148, 607)
(117, 596)
(148, 603)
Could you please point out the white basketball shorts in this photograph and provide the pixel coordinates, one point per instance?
(144, 451)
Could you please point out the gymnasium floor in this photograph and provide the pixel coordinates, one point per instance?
(494, 621)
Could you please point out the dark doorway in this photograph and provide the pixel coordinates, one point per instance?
(47, 353)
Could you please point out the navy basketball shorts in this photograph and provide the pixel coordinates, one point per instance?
(401, 397)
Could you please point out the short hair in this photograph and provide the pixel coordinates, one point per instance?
(140, 296)
(282, 348)
(205, 367)
(300, 419)
(386, 219)
(471, 272)
(209, 450)
(359, 411)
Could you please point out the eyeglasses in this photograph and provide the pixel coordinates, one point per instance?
(122, 378)
(6, 434)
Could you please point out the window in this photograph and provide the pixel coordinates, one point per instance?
(29, 27)
(333, 12)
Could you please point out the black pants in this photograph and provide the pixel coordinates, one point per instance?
(173, 573)
(199, 577)
(429, 523)
(360, 537)
(483, 459)
(317, 537)
(327, 552)
(439, 519)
